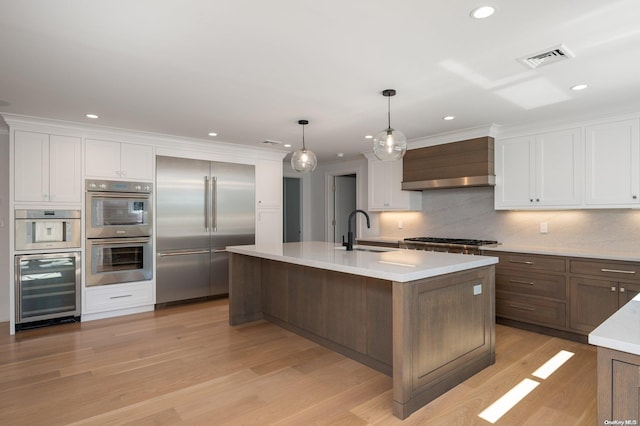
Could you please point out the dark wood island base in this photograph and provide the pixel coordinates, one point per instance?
(429, 334)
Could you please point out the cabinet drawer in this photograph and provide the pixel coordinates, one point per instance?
(530, 262)
(607, 269)
(112, 297)
(531, 283)
(530, 310)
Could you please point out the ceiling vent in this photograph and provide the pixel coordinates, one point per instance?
(548, 56)
(271, 142)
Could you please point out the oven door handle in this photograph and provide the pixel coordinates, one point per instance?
(142, 195)
(117, 241)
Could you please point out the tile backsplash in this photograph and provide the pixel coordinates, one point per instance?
(469, 213)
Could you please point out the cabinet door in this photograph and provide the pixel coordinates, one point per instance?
(385, 188)
(31, 166)
(102, 158)
(558, 169)
(515, 163)
(268, 226)
(626, 292)
(269, 183)
(613, 163)
(136, 161)
(592, 301)
(378, 189)
(65, 169)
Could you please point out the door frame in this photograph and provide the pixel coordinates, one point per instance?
(360, 172)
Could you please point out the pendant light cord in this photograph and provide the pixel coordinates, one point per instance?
(389, 110)
(304, 148)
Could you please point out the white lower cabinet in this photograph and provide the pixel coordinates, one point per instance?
(268, 226)
(107, 300)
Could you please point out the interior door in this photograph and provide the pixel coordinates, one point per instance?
(292, 212)
(344, 203)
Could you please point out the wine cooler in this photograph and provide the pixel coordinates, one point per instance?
(47, 288)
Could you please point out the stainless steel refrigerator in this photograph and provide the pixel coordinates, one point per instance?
(201, 208)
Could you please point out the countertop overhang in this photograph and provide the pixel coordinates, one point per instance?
(621, 331)
(388, 264)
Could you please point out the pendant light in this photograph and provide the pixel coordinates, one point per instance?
(389, 144)
(303, 160)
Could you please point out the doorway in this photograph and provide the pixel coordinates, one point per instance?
(292, 212)
(344, 202)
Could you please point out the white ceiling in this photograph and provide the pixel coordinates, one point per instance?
(249, 69)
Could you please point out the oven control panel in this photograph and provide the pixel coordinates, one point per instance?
(118, 186)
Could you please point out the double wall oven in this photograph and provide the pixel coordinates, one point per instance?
(118, 228)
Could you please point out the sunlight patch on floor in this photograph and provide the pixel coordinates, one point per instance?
(500, 407)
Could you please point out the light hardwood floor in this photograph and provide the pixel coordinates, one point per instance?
(186, 365)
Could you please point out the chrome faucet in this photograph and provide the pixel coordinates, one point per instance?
(350, 239)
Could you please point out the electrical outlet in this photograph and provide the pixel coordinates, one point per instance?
(400, 224)
(544, 227)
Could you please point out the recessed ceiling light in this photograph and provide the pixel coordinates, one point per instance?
(448, 117)
(578, 87)
(340, 154)
(287, 145)
(91, 116)
(482, 12)
(368, 137)
(213, 134)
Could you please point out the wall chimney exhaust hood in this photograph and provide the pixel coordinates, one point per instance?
(459, 164)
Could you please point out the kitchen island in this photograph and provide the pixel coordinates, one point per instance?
(426, 319)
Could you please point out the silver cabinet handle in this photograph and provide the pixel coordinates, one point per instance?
(614, 288)
(617, 271)
(220, 251)
(524, 308)
(521, 282)
(121, 297)
(524, 262)
(621, 289)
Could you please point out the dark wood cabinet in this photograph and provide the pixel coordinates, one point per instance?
(531, 289)
(561, 295)
(598, 289)
(618, 387)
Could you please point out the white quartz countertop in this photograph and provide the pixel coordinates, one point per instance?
(383, 263)
(621, 331)
(594, 253)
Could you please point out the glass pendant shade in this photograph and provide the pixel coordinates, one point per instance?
(389, 145)
(303, 160)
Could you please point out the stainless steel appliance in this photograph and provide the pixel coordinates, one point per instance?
(118, 260)
(118, 227)
(47, 288)
(449, 245)
(201, 208)
(118, 209)
(47, 229)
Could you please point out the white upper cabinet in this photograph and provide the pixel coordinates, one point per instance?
(613, 164)
(47, 168)
(107, 159)
(385, 187)
(269, 184)
(539, 171)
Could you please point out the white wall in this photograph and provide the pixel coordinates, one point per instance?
(469, 213)
(4, 226)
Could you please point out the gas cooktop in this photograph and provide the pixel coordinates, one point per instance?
(456, 241)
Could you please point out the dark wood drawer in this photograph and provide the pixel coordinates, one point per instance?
(530, 262)
(531, 283)
(531, 310)
(606, 269)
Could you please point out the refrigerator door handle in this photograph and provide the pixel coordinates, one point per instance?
(206, 203)
(182, 253)
(220, 250)
(214, 204)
